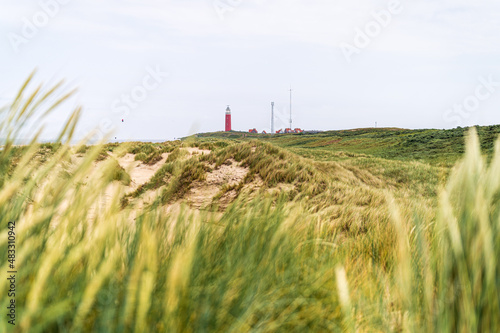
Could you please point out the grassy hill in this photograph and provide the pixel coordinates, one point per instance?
(437, 147)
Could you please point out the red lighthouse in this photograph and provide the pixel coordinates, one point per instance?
(228, 119)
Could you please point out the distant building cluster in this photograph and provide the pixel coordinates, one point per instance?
(289, 130)
(281, 131)
(228, 127)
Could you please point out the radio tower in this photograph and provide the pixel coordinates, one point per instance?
(290, 107)
(272, 117)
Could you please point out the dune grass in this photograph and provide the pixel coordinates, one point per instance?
(360, 243)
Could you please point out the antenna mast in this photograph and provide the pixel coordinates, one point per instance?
(272, 117)
(290, 107)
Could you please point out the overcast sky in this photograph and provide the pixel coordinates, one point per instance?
(351, 63)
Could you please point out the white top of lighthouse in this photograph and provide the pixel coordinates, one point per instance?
(228, 110)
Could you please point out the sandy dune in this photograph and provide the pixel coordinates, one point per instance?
(139, 172)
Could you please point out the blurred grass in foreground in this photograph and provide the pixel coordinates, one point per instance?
(268, 263)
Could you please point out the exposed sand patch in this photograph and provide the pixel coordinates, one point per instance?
(231, 174)
(202, 193)
(199, 196)
(139, 172)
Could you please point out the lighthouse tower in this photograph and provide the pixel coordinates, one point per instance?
(228, 119)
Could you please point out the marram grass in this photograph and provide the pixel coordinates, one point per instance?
(348, 249)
